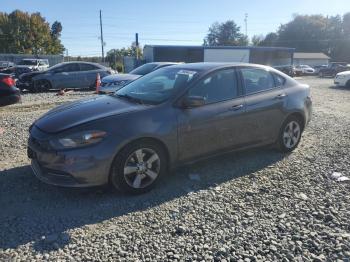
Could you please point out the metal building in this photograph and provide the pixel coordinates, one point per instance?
(311, 59)
(273, 56)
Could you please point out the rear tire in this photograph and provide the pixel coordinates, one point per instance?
(290, 134)
(137, 167)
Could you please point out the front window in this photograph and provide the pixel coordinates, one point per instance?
(157, 86)
(28, 62)
(144, 69)
(219, 86)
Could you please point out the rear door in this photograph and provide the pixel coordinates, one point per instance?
(265, 100)
(217, 125)
(65, 76)
(87, 75)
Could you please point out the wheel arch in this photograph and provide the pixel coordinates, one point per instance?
(298, 115)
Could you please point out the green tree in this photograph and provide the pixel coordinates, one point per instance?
(346, 25)
(225, 34)
(270, 40)
(115, 56)
(257, 40)
(24, 33)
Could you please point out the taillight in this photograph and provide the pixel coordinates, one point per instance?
(8, 81)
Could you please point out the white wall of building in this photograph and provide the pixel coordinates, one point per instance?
(310, 62)
(226, 55)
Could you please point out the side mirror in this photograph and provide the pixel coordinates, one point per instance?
(193, 101)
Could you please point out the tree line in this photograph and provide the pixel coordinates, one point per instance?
(306, 33)
(25, 33)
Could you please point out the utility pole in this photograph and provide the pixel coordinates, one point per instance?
(137, 45)
(102, 43)
(67, 55)
(246, 24)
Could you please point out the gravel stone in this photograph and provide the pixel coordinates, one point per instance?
(258, 205)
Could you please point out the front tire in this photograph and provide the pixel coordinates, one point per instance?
(290, 134)
(41, 86)
(137, 168)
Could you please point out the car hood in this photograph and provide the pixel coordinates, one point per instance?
(345, 73)
(30, 75)
(119, 77)
(76, 113)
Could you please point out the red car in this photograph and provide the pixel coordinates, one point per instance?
(9, 93)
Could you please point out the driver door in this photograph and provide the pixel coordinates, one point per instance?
(218, 124)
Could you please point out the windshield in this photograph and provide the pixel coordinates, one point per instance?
(157, 86)
(144, 69)
(28, 62)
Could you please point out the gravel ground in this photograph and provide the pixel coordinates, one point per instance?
(258, 205)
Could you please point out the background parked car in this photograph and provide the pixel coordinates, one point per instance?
(63, 75)
(287, 69)
(333, 69)
(9, 94)
(342, 79)
(6, 65)
(112, 83)
(34, 64)
(305, 69)
(297, 71)
(318, 68)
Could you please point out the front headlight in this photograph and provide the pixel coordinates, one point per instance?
(340, 76)
(78, 140)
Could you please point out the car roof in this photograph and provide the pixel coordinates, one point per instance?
(207, 66)
(81, 62)
(162, 63)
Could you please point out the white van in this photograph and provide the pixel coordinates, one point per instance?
(34, 64)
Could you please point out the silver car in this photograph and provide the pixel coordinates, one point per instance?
(63, 75)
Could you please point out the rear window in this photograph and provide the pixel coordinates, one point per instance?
(257, 80)
(144, 69)
(88, 67)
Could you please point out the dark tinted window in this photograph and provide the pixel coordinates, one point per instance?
(88, 67)
(144, 69)
(279, 80)
(219, 86)
(68, 68)
(257, 80)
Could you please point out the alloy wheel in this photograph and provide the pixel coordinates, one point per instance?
(141, 168)
(291, 134)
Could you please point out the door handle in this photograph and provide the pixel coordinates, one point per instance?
(280, 96)
(236, 107)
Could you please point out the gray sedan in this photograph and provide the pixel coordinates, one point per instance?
(64, 75)
(167, 118)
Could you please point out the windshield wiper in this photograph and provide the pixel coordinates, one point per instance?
(131, 98)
